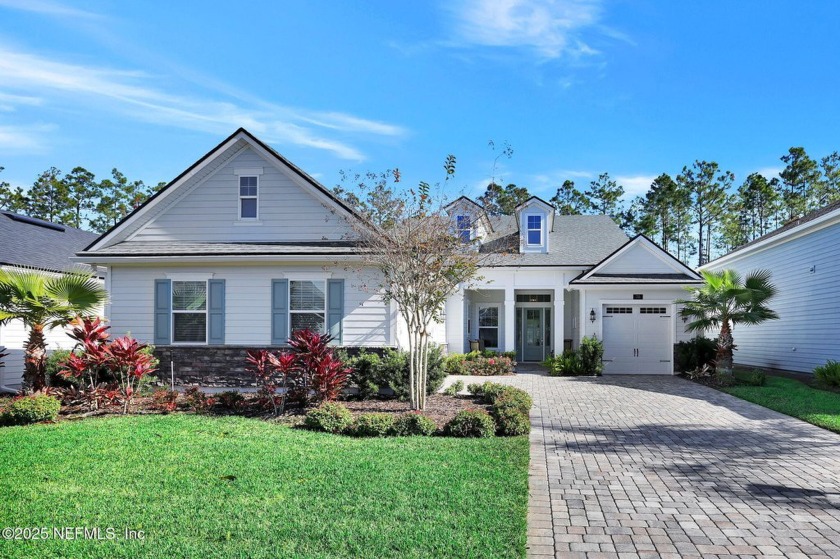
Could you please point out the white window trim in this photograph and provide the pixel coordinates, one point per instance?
(173, 312)
(308, 311)
(498, 326)
(528, 230)
(459, 230)
(249, 220)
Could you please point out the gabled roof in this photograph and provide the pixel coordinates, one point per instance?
(463, 202)
(35, 243)
(536, 200)
(679, 273)
(812, 219)
(240, 134)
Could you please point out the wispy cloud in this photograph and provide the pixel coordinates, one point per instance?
(47, 8)
(634, 185)
(129, 92)
(26, 139)
(551, 28)
(769, 172)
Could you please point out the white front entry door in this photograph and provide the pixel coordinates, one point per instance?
(637, 339)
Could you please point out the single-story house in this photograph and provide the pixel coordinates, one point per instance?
(34, 244)
(244, 247)
(803, 259)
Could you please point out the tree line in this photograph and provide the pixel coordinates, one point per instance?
(699, 213)
(77, 199)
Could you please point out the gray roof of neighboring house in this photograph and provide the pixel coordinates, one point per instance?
(577, 240)
(34, 243)
(189, 248)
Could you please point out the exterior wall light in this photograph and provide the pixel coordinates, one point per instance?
(592, 316)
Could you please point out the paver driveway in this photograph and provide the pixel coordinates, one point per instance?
(647, 466)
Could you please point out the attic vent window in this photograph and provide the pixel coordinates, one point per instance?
(463, 224)
(535, 230)
(248, 196)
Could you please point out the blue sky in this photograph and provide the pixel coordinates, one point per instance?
(577, 88)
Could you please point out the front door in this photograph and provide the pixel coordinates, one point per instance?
(536, 333)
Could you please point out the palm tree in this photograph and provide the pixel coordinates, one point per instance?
(43, 301)
(724, 301)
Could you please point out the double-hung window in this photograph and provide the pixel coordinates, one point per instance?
(307, 305)
(534, 230)
(248, 197)
(463, 224)
(488, 326)
(189, 312)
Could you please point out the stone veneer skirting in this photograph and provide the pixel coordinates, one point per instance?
(218, 366)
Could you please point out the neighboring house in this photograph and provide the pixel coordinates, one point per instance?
(244, 247)
(31, 243)
(803, 259)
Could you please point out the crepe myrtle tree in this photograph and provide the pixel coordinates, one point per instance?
(421, 261)
(723, 301)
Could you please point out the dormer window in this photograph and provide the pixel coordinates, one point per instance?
(534, 230)
(248, 197)
(463, 224)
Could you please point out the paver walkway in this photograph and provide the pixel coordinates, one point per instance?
(647, 466)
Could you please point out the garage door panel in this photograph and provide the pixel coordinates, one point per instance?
(637, 339)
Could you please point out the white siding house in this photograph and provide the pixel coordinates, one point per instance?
(243, 248)
(804, 259)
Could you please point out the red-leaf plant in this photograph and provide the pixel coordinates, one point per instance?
(87, 362)
(272, 372)
(322, 375)
(129, 363)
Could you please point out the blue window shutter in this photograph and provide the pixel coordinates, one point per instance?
(163, 311)
(279, 312)
(335, 309)
(216, 314)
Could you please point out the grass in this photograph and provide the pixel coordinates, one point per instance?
(235, 487)
(794, 398)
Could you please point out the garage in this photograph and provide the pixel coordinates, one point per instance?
(637, 339)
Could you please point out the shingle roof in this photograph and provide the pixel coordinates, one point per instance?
(577, 240)
(25, 241)
(176, 248)
(606, 279)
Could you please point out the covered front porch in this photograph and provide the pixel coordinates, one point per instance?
(533, 323)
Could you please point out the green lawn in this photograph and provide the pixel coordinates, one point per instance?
(233, 487)
(794, 398)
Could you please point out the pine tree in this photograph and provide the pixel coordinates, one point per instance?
(829, 190)
(801, 180)
(605, 197)
(569, 200)
(707, 191)
(503, 201)
(49, 198)
(82, 193)
(12, 199)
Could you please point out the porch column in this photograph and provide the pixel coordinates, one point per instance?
(510, 320)
(559, 320)
(455, 323)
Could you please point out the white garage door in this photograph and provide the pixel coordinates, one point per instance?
(637, 339)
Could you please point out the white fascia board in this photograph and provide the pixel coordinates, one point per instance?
(95, 260)
(630, 286)
(807, 228)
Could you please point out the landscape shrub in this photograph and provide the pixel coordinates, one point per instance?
(413, 424)
(512, 398)
(829, 373)
(694, 354)
(591, 353)
(232, 400)
(364, 373)
(320, 373)
(373, 424)
(330, 417)
(164, 399)
(476, 388)
(471, 423)
(454, 388)
(487, 363)
(566, 364)
(393, 371)
(198, 401)
(30, 409)
(490, 390)
(54, 365)
(510, 422)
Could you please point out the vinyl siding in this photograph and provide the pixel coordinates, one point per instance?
(367, 321)
(808, 303)
(638, 260)
(209, 210)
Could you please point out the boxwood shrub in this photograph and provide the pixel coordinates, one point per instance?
(513, 398)
(471, 423)
(413, 424)
(330, 417)
(511, 422)
(30, 409)
(373, 424)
